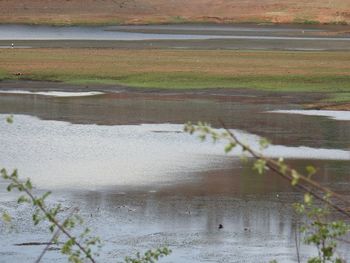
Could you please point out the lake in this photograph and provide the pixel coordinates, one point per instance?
(141, 182)
(245, 36)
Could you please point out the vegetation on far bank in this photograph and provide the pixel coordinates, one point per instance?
(184, 69)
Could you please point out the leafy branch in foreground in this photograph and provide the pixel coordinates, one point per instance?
(78, 248)
(150, 256)
(319, 231)
(263, 163)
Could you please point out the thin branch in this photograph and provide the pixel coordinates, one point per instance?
(55, 222)
(297, 244)
(53, 238)
(275, 167)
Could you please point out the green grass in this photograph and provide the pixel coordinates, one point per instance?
(339, 97)
(199, 81)
(4, 75)
(278, 71)
(338, 87)
(277, 83)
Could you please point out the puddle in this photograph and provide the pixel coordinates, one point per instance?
(53, 93)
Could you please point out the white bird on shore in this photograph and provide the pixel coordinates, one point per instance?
(12, 45)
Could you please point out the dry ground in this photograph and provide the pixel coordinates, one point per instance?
(175, 11)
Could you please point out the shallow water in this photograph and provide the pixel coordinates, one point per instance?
(21, 32)
(94, 157)
(31, 32)
(123, 160)
(203, 37)
(53, 93)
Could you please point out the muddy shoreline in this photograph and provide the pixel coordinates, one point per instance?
(219, 93)
(307, 100)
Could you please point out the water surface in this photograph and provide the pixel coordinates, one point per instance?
(31, 32)
(123, 159)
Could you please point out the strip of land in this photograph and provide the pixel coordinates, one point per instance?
(281, 71)
(93, 12)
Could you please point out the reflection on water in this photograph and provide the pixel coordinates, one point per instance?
(156, 185)
(28, 32)
(248, 113)
(59, 155)
(35, 32)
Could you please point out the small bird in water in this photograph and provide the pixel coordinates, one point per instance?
(12, 45)
(221, 226)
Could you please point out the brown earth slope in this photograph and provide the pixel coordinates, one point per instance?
(175, 11)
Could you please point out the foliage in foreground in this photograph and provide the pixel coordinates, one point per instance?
(320, 230)
(78, 249)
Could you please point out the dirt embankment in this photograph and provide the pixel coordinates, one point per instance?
(174, 11)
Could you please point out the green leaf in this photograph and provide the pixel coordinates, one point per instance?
(11, 186)
(28, 184)
(14, 174)
(9, 119)
(36, 219)
(229, 147)
(23, 199)
(264, 143)
(295, 177)
(4, 174)
(307, 198)
(202, 137)
(6, 217)
(260, 166)
(310, 170)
